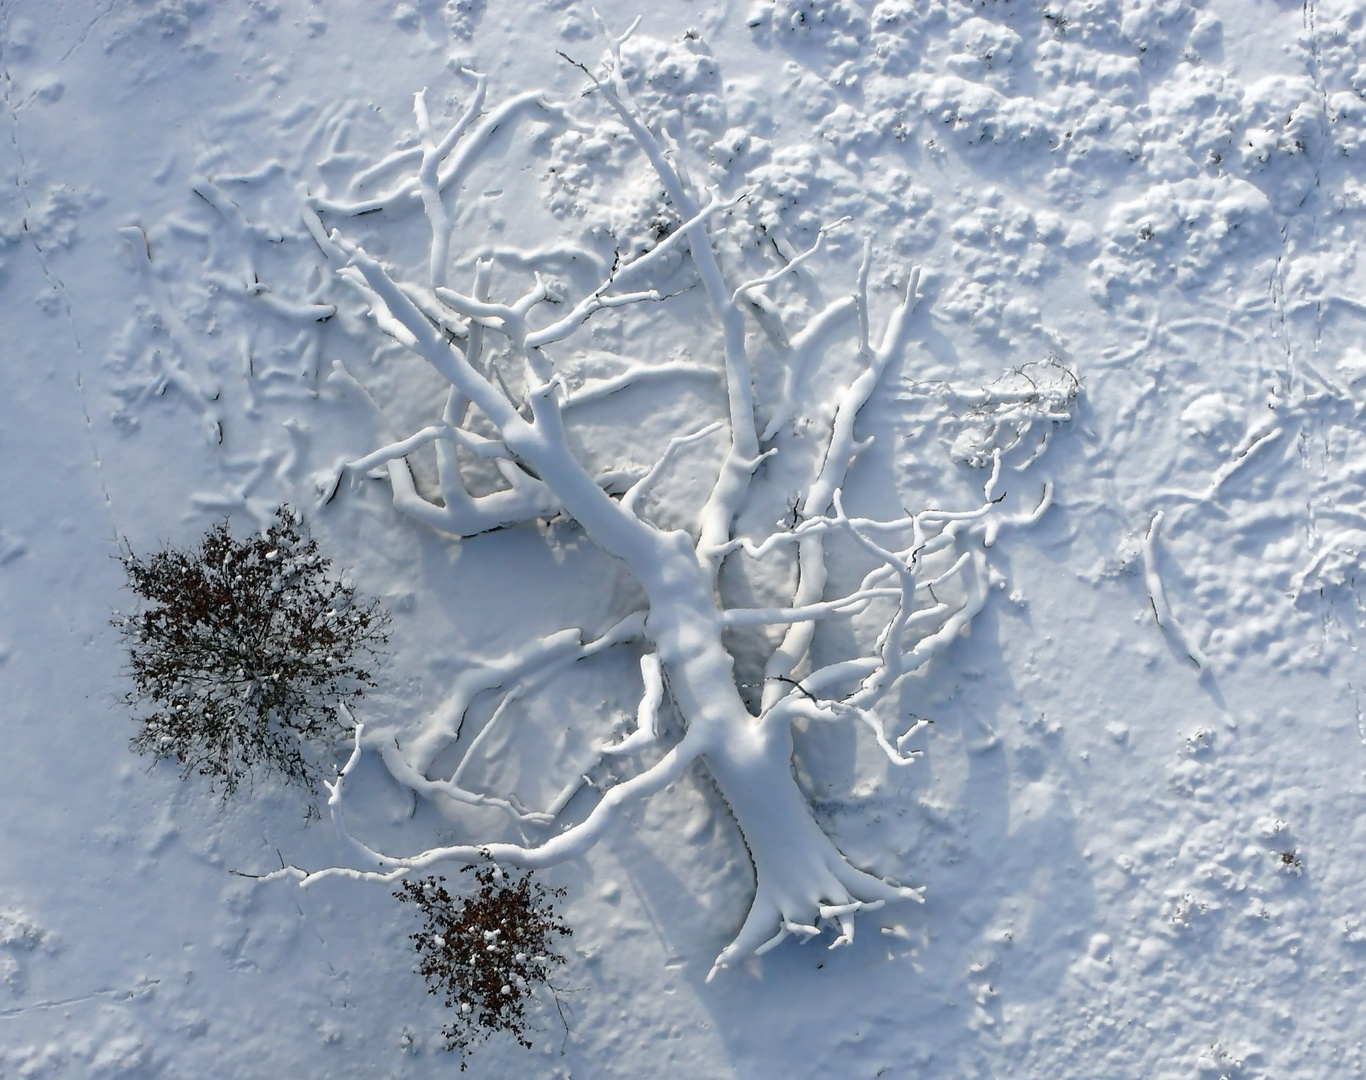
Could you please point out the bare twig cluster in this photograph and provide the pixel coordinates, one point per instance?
(246, 653)
(487, 953)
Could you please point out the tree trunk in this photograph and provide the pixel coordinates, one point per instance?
(800, 875)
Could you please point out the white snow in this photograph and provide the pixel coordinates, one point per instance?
(1126, 774)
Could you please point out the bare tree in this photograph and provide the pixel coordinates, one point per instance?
(508, 409)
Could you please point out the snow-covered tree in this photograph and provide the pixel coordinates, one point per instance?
(507, 453)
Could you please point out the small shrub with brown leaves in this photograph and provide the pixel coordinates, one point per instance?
(487, 953)
(242, 653)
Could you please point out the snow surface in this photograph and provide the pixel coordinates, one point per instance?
(1136, 818)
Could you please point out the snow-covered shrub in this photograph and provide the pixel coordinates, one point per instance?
(1183, 233)
(245, 652)
(1026, 402)
(983, 51)
(488, 953)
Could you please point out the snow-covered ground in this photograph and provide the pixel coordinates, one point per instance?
(1137, 813)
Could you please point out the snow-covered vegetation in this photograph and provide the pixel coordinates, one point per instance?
(927, 576)
(818, 455)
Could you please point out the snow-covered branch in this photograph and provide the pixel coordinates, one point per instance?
(411, 761)
(461, 514)
(452, 165)
(643, 485)
(574, 841)
(782, 271)
(647, 716)
(733, 480)
(841, 451)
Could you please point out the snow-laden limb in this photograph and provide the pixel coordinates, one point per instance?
(461, 514)
(428, 177)
(933, 627)
(293, 310)
(561, 329)
(840, 453)
(410, 761)
(642, 486)
(783, 271)
(803, 349)
(569, 844)
(1021, 520)
(512, 319)
(1157, 597)
(475, 444)
(1255, 440)
(1257, 437)
(647, 716)
(453, 164)
(375, 307)
(601, 389)
(845, 605)
(742, 458)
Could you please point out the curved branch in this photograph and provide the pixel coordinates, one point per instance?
(802, 348)
(428, 180)
(1157, 596)
(605, 388)
(410, 190)
(732, 483)
(773, 616)
(643, 485)
(572, 842)
(475, 444)
(409, 763)
(647, 716)
(782, 271)
(462, 514)
(558, 331)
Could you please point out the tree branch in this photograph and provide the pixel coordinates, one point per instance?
(840, 453)
(572, 842)
(647, 716)
(643, 485)
(782, 271)
(429, 182)
(604, 388)
(410, 762)
(733, 481)
(462, 515)
(410, 190)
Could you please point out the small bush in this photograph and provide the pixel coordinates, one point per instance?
(243, 652)
(486, 953)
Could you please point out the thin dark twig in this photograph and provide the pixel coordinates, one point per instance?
(794, 683)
